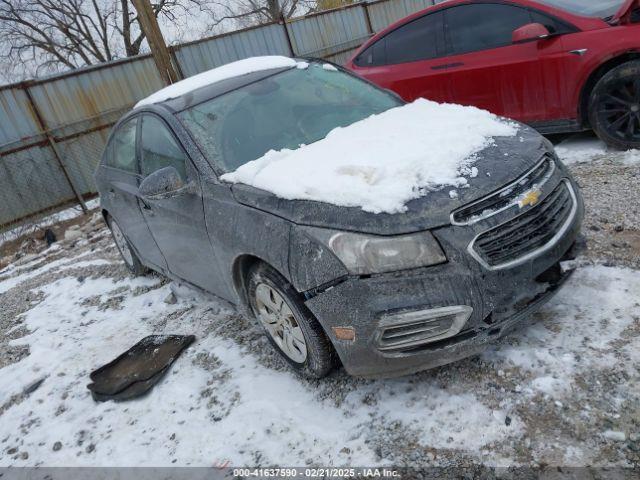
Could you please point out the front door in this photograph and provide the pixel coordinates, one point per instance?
(120, 171)
(486, 69)
(407, 60)
(177, 223)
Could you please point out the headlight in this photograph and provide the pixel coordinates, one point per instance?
(366, 254)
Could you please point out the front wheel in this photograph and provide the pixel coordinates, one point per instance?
(290, 327)
(614, 107)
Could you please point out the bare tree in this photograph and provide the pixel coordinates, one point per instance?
(252, 12)
(329, 4)
(50, 35)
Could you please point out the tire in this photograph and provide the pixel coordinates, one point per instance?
(307, 350)
(128, 254)
(614, 106)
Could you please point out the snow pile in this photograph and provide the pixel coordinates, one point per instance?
(381, 162)
(230, 70)
(583, 149)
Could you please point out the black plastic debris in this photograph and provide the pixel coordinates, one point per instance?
(49, 237)
(138, 369)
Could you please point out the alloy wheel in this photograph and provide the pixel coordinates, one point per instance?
(619, 110)
(279, 321)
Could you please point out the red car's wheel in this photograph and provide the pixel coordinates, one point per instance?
(614, 110)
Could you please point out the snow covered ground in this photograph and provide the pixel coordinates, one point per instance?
(562, 391)
(66, 214)
(587, 147)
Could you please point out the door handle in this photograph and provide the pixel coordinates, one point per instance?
(446, 66)
(580, 52)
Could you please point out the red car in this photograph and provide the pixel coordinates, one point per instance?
(558, 65)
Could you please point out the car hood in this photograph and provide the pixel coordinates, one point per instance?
(502, 162)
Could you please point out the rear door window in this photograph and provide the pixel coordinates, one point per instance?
(483, 26)
(121, 152)
(159, 148)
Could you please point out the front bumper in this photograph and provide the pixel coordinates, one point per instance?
(501, 300)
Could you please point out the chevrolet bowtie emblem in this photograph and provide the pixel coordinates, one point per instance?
(529, 198)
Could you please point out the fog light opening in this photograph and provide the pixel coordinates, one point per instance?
(406, 330)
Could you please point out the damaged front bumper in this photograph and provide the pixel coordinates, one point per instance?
(459, 306)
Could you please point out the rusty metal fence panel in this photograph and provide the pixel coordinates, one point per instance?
(53, 130)
(329, 33)
(69, 101)
(52, 133)
(201, 55)
(16, 118)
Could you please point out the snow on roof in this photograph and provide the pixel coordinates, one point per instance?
(230, 70)
(381, 162)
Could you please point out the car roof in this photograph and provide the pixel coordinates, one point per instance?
(217, 89)
(219, 80)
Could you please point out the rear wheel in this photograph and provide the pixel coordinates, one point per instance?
(289, 325)
(614, 106)
(127, 253)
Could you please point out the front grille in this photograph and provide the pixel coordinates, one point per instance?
(505, 197)
(527, 234)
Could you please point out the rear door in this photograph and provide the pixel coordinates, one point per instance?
(121, 180)
(407, 60)
(487, 70)
(177, 223)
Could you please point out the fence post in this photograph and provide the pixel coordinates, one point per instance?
(367, 17)
(54, 148)
(286, 34)
(174, 57)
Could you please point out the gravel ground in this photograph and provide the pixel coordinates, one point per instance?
(612, 201)
(519, 403)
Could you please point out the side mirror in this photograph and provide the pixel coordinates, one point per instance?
(530, 33)
(162, 183)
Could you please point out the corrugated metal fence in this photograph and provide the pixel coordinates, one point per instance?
(53, 130)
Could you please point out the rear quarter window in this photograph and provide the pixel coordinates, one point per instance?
(373, 56)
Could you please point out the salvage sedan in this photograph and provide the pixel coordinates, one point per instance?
(358, 229)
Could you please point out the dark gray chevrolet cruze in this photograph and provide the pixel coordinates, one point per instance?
(320, 278)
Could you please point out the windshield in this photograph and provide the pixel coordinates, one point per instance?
(286, 110)
(599, 8)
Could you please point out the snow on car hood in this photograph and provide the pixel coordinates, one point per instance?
(382, 162)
